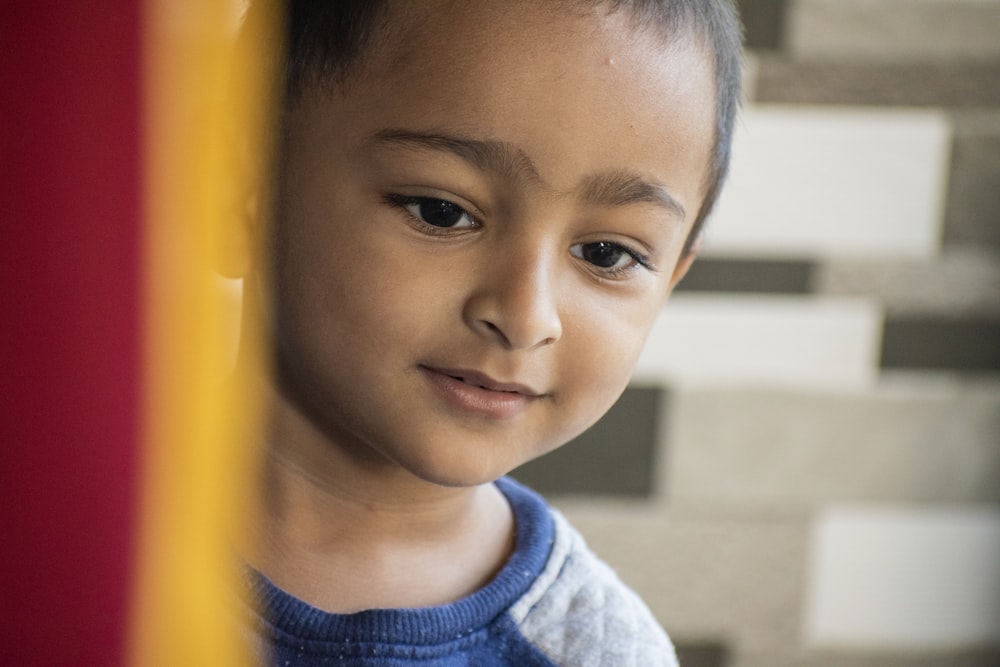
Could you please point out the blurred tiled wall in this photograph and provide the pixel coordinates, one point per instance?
(806, 470)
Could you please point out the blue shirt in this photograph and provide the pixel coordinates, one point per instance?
(553, 603)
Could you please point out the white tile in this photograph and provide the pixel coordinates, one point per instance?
(766, 341)
(810, 182)
(905, 578)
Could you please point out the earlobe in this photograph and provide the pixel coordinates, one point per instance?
(234, 246)
(240, 212)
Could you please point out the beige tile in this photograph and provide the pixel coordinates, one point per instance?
(909, 440)
(705, 576)
(894, 29)
(963, 281)
(951, 84)
(958, 657)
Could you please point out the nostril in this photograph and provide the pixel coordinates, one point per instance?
(494, 329)
(513, 316)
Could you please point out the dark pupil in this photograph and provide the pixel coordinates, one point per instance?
(602, 254)
(440, 213)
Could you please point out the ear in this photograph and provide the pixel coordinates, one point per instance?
(234, 247)
(239, 216)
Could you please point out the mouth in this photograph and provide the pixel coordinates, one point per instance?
(477, 394)
(483, 381)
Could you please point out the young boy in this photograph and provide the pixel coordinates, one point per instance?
(479, 210)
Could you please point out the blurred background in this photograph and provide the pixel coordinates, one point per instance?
(806, 469)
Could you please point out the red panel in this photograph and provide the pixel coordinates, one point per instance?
(70, 214)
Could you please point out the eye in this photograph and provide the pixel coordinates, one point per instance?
(607, 256)
(435, 212)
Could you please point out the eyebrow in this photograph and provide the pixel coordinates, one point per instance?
(613, 188)
(621, 188)
(491, 156)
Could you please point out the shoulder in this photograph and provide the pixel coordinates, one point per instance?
(578, 612)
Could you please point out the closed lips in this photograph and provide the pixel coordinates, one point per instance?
(483, 381)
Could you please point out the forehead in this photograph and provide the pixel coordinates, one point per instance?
(573, 86)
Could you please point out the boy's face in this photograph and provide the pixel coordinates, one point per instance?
(477, 233)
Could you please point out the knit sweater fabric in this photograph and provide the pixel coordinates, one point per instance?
(553, 603)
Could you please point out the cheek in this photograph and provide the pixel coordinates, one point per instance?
(600, 354)
(607, 361)
(388, 296)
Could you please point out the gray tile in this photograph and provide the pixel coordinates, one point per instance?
(894, 30)
(969, 344)
(911, 440)
(615, 457)
(973, 204)
(934, 84)
(717, 274)
(963, 281)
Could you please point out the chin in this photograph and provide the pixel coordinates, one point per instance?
(464, 471)
(459, 470)
(456, 476)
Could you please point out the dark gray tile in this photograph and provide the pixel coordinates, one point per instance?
(712, 274)
(966, 344)
(949, 84)
(972, 214)
(764, 23)
(702, 654)
(615, 457)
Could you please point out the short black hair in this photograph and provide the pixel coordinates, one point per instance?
(326, 39)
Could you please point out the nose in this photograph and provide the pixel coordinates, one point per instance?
(514, 299)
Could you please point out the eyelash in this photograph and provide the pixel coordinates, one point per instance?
(638, 259)
(404, 202)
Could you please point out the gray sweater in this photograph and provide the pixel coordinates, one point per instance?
(553, 603)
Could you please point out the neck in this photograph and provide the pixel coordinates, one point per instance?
(345, 530)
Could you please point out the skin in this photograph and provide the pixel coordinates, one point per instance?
(566, 145)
